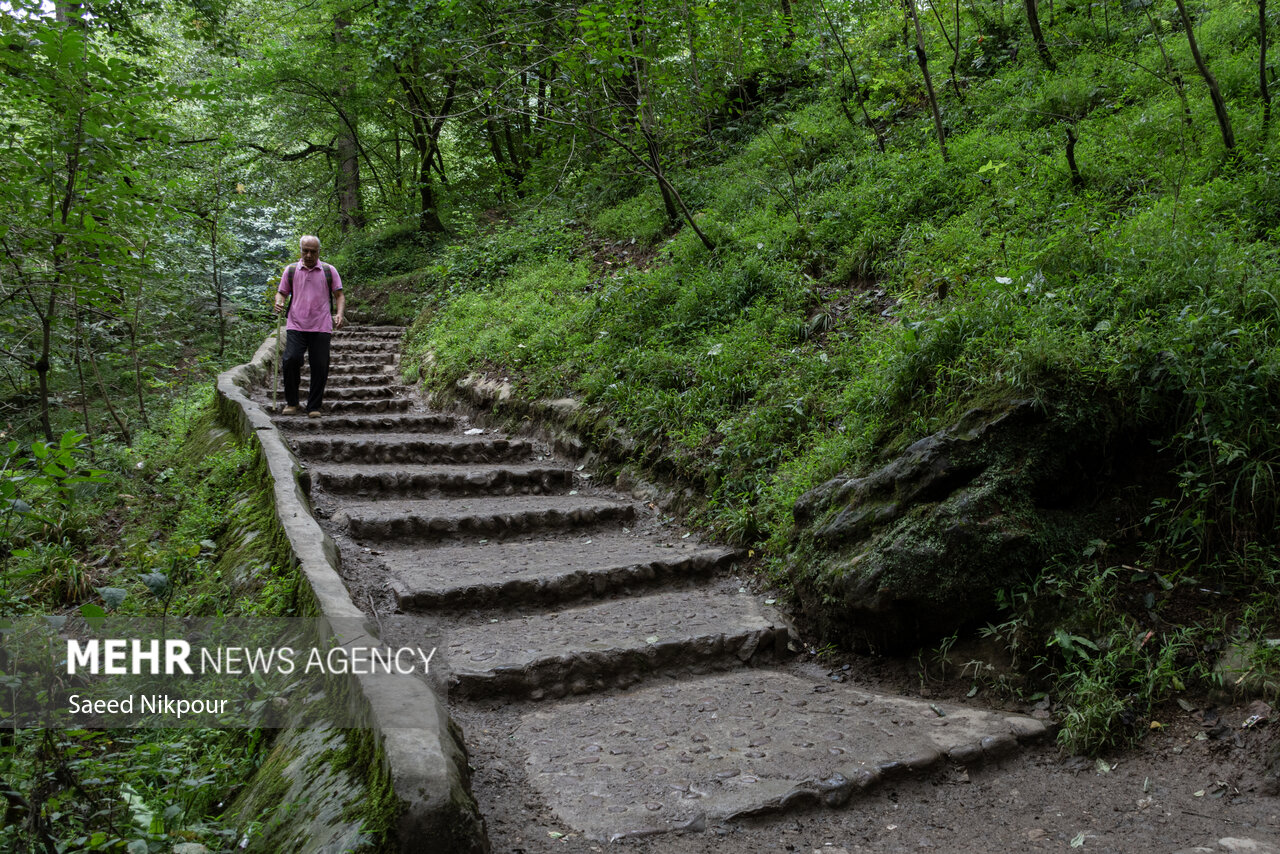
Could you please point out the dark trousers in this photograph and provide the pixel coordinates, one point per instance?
(315, 345)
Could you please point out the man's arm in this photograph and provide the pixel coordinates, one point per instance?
(282, 290)
(340, 305)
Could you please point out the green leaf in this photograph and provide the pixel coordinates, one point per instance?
(157, 583)
(93, 614)
(113, 596)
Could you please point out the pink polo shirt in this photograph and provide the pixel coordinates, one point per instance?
(309, 311)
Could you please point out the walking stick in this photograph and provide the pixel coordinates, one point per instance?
(279, 368)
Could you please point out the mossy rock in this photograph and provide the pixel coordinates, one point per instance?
(917, 549)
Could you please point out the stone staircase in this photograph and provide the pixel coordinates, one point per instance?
(604, 662)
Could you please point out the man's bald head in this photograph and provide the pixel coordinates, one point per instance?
(309, 246)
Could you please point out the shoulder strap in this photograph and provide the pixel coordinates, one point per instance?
(288, 278)
(328, 281)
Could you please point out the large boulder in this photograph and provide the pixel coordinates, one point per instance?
(917, 549)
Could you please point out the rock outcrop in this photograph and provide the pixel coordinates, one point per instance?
(917, 548)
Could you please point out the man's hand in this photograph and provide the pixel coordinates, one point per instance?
(278, 305)
(338, 320)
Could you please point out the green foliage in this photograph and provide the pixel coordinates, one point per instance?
(858, 300)
(159, 529)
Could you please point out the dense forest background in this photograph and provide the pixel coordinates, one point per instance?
(767, 243)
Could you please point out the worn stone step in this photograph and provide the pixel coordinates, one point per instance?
(350, 379)
(710, 750)
(485, 516)
(391, 404)
(412, 448)
(388, 422)
(361, 361)
(500, 574)
(380, 332)
(611, 644)
(380, 371)
(340, 345)
(422, 481)
(340, 391)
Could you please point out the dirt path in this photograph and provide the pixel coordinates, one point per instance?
(619, 684)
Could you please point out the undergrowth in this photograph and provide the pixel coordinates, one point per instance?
(89, 528)
(857, 301)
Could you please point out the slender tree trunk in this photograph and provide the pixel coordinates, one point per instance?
(106, 396)
(853, 78)
(1215, 91)
(137, 358)
(1262, 67)
(43, 365)
(1033, 18)
(1077, 180)
(217, 280)
(923, 59)
(84, 392)
(668, 203)
(1175, 79)
(953, 44)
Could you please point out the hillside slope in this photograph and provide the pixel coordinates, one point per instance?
(1007, 391)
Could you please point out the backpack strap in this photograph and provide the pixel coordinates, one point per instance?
(288, 277)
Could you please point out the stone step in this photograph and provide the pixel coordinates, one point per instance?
(611, 644)
(360, 407)
(393, 331)
(340, 345)
(372, 333)
(710, 750)
(485, 516)
(550, 569)
(422, 481)
(341, 391)
(389, 422)
(381, 371)
(347, 379)
(412, 448)
(361, 361)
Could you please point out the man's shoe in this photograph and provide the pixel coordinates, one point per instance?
(289, 410)
(315, 413)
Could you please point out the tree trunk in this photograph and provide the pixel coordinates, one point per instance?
(429, 217)
(1262, 67)
(853, 79)
(1175, 79)
(655, 162)
(1033, 18)
(350, 205)
(1215, 92)
(789, 19)
(217, 281)
(84, 392)
(42, 365)
(1077, 180)
(928, 81)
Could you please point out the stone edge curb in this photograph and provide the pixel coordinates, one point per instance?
(426, 759)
